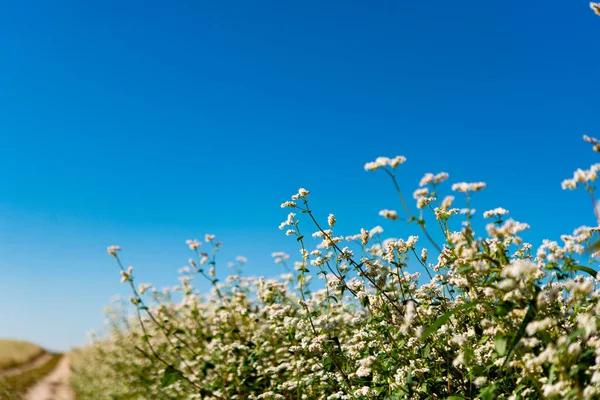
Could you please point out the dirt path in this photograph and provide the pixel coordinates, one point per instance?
(36, 362)
(55, 386)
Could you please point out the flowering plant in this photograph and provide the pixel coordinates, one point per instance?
(492, 318)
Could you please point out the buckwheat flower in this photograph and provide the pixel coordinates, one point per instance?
(555, 390)
(424, 255)
(304, 253)
(460, 359)
(389, 214)
(303, 192)
(424, 201)
(376, 230)
(588, 323)
(580, 286)
(363, 391)
(422, 192)
(496, 212)
(574, 348)
(211, 271)
(143, 287)
(288, 204)
(372, 166)
(209, 238)
(464, 187)
(183, 270)
(125, 277)
(520, 268)
(507, 284)
(289, 232)
(536, 326)
(394, 162)
(412, 240)
(331, 220)
(447, 202)
(346, 254)
(241, 259)
(427, 179)
(112, 250)
(480, 381)
(569, 184)
(280, 254)
(440, 177)
(596, 8)
(317, 262)
(365, 235)
(193, 244)
(382, 162)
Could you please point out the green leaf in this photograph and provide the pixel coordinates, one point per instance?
(500, 342)
(594, 247)
(437, 324)
(455, 398)
(583, 269)
(487, 393)
(170, 376)
(328, 364)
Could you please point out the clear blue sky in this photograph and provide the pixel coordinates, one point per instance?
(144, 123)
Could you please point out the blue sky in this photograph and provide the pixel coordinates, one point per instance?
(144, 124)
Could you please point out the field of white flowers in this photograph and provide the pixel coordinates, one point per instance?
(491, 317)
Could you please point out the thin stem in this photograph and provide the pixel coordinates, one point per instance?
(410, 214)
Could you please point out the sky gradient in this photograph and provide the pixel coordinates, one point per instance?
(145, 123)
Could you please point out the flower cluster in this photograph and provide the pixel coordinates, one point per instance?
(491, 318)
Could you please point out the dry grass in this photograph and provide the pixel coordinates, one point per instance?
(16, 352)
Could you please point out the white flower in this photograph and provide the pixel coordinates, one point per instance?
(440, 177)
(423, 201)
(520, 268)
(193, 244)
(397, 161)
(536, 326)
(389, 214)
(464, 187)
(112, 250)
(209, 238)
(412, 240)
(303, 192)
(331, 220)
(376, 230)
(480, 381)
(424, 255)
(382, 162)
(496, 212)
(447, 202)
(241, 259)
(143, 287)
(420, 193)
